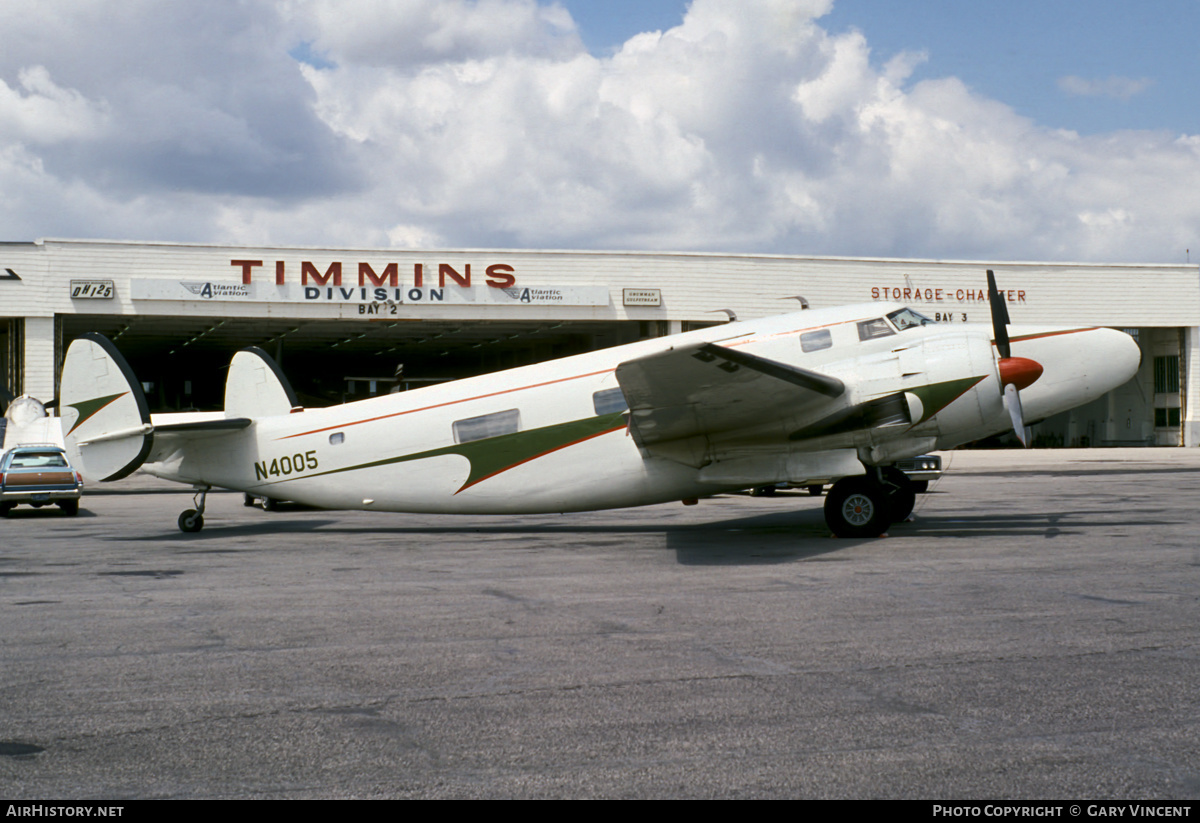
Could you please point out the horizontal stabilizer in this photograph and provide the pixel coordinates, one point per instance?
(256, 386)
(105, 419)
(201, 427)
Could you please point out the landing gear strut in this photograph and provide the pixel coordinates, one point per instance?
(192, 520)
(866, 505)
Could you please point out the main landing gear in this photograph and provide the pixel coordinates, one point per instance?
(269, 504)
(192, 520)
(866, 505)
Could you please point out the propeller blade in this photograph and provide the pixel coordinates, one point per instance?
(1012, 399)
(1000, 319)
(1016, 373)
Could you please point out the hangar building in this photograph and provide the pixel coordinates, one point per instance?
(349, 323)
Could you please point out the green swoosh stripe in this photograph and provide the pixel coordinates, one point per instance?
(494, 455)
(88, 408)
(937, 396)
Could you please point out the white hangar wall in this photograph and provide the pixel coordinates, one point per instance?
(51, 279)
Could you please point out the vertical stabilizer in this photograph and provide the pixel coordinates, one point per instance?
(256, 386)
(105, 419)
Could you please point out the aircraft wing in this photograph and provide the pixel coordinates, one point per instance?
(706, 388)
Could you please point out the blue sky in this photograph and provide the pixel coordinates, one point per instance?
(1057, 130)
(1016, 52)
(606, 24)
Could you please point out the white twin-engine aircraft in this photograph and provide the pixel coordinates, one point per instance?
(819, 396)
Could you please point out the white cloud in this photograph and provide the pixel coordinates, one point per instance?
(747, 127)
(41, 112)
(406, 33)
(1117, 88)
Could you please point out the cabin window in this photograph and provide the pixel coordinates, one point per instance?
(816, 340)
(609, 401)
(908, 319)
(871, 329)
(336, 438)
(487, 425)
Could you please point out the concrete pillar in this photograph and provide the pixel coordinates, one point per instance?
(1190, 383)
(39, 358)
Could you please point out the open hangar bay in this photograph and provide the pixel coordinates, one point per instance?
(1031, 635)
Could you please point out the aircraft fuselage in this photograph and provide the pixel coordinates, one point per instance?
(556, 437)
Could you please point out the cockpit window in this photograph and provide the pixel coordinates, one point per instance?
(871, 329)
(908, 319)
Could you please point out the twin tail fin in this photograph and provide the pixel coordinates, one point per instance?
(105, 419)
(106, 422)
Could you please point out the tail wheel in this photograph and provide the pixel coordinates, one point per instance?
(191, 521)
(857, 507)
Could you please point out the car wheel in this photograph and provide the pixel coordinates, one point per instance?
(815, 489)
(69, 507)
(920, 486)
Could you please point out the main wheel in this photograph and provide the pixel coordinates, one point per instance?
(902, 496)
(191, 521)
(857, 507)
(270, 504)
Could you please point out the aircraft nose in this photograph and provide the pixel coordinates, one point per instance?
(1080, 365)
(1113, 358)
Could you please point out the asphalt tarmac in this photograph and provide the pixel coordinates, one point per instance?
(1033, 633)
